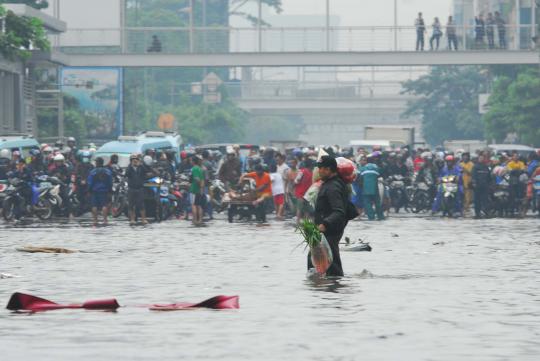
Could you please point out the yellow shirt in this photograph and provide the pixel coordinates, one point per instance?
(519, 165)
(467, 172)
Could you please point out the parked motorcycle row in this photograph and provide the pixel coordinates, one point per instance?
(510, 193)
(414, 183)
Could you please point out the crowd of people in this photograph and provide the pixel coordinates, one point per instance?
(490, 28)
(411, 180)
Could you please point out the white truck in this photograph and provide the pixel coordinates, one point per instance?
(396, 135)
(470, 146)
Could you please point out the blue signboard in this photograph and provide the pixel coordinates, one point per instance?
(99, 93)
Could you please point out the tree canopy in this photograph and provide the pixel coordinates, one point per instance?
(21, 35)
(448, 103)
(514, 106)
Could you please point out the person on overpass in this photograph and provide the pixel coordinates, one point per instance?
(156, 45)
(420, 31)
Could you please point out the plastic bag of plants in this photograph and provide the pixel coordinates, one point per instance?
(321, 253)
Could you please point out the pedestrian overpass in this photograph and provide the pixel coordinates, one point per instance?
(284, 47)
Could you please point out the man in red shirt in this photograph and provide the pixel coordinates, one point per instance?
(303, 181)
(264, 190)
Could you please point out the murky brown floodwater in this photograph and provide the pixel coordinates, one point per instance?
(472, 296)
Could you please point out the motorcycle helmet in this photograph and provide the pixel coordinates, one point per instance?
(59, 143)
(15, 154)
(59, 158)
(147, 160)
(427, 155)
(5, 153)
(85, 156)
(449, 158)
(34, 152)
(183, 154)
(71, 140)
(66, 150)
(133, 156)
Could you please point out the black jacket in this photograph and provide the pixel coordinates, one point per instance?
(331, 206)
(136, 177)
(481, 175)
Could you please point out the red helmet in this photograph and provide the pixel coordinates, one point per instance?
(449, 158)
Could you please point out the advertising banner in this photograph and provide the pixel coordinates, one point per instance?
(99, 93)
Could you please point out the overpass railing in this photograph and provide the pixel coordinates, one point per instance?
(304, 90)
(208, 40)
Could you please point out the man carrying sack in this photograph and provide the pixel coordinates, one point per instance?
(333, 210)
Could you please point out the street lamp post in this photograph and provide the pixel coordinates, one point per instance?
(395, 25)
(327, 25)
(259, 23)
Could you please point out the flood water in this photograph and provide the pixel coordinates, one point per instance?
(432, 289)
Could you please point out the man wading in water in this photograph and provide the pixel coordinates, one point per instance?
(332, 211)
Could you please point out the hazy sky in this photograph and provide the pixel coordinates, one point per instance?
(371, 12)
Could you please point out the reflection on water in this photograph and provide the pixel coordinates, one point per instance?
(441, 290)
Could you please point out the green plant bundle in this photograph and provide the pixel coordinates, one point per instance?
(310, 232)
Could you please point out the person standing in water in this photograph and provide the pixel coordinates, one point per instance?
(331, 210)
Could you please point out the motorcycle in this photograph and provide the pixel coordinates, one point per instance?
(517, 181)
(501, 197)
(3, 187)
(15, 203)
(80, 201)
(168, 200)
(398, 195)
(119, 202)
(217, 191)
(181, 191)
(422, 198)
(384, 196)
(156, 200)
(536, 192)
(450, 190)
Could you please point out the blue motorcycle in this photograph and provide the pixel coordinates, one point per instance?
(158, 201)
(19, 192)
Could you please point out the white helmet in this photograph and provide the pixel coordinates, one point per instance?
(5, 153)
(59, 158)
(147, 160)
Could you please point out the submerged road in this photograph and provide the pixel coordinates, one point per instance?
(432, 289)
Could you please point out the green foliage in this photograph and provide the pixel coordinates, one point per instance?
(309, 230)
(21, 35)
(37, 4)
(448, 103)
(515, 107)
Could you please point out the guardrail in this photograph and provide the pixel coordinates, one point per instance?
(208, 40)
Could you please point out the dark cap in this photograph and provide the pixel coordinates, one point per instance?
(327, 162)
(258, 168)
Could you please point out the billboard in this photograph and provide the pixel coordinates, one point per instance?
(99, 93)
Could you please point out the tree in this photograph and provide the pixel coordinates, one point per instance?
(236, 10)
(514, 107)
(21, 35)
(204, 124)
(448, 103)
(37, 4)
